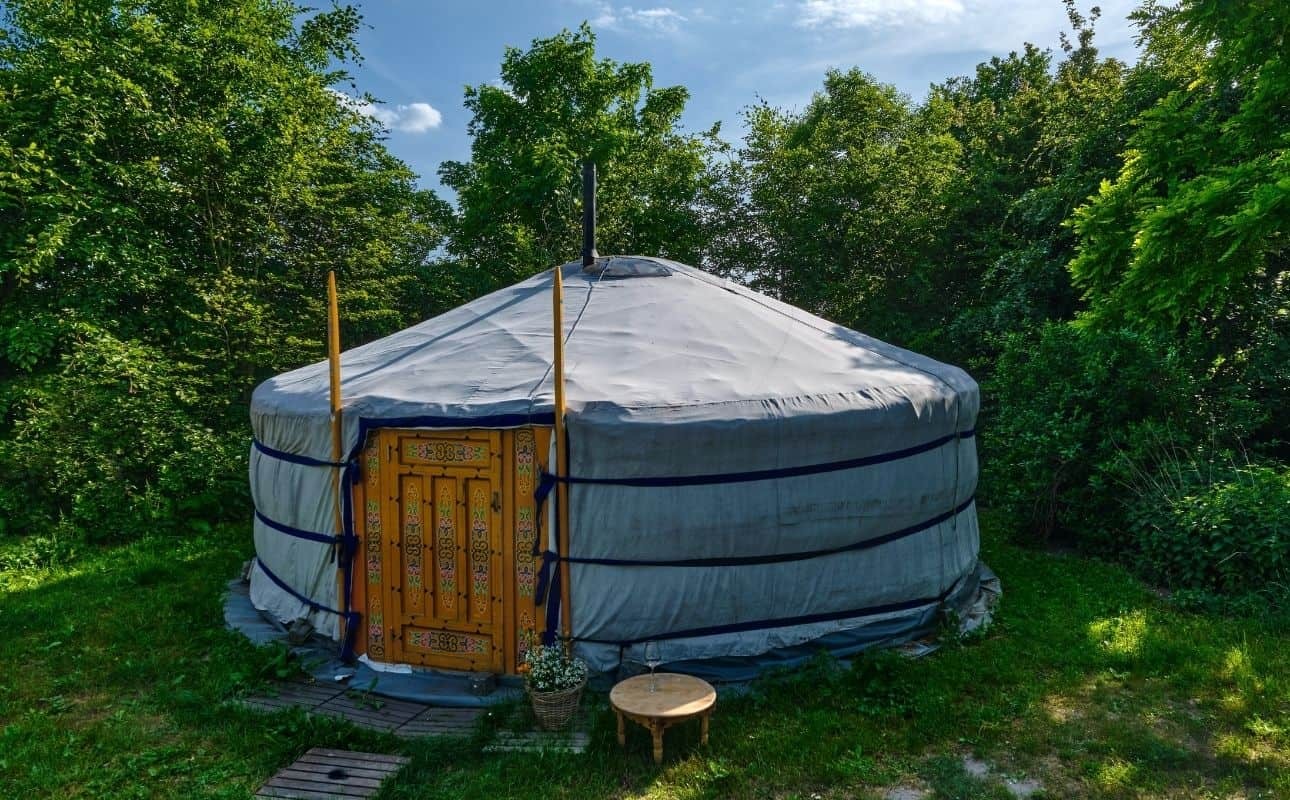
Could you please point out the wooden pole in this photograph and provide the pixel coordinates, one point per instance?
(561, 455)
(333, 362)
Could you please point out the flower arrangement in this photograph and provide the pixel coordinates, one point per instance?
(549, 669)
(555, 682)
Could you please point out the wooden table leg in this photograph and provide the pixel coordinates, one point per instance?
(703, 729)
(656, 728)
(622, 731)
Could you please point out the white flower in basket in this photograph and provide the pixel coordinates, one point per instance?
(555, 682)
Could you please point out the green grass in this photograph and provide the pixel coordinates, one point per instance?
(117, 670)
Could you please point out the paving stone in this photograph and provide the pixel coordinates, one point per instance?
(905, 793)
(368, 711)
(443, 722)
(293, 694)
(325, 774)
(403, 718)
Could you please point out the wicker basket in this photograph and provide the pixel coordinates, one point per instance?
(554, 710)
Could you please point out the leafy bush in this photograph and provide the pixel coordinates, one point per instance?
(1227, 531)
(119, 442)
(1061, 406)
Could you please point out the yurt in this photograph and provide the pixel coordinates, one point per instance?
(745, 482)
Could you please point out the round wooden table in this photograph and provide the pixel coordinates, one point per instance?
(676, 698)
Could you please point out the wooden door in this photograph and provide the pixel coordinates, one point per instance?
(443, 581)
(410, 612)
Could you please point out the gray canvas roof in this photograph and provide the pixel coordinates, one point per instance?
(642, 333)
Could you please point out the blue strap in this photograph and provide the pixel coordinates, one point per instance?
(548, 481)
(780, 558)
(485, 421)
(297, 532)
(293, 458)
(780, 622)
(552, 609)
(351, 618)
(349, 544)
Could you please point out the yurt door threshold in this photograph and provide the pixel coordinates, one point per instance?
(447, 534)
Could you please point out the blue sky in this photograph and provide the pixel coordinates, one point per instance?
(420, 54)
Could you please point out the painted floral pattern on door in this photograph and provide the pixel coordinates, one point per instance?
(447, 538)
(525, 535)
(372, 532)
(480, 551)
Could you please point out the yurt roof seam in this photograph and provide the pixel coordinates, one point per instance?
(586, 302)
(746, 400)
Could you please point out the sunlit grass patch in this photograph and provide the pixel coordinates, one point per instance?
(1113, 774)
(1087, 683)
(1121, 635)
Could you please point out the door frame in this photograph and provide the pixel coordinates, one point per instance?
(524, 454)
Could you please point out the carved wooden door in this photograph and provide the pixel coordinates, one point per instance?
(443, 576)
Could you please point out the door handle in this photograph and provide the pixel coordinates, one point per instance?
(497, 501)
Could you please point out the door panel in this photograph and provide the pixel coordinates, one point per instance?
(447, 599)
(411, 501)
(446, 542)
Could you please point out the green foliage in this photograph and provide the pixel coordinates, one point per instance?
(1192, 229)
(881, 684)
(1037, 139)
(1219, 529)
(519, 196)
(842, 200)
(1065, 401)
(110, 444)
(175, 181)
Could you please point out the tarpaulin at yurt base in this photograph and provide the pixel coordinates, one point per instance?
(744, 480)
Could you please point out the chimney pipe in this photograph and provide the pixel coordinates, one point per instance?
(589, 254)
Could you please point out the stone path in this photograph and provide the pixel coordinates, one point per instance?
(404, 718)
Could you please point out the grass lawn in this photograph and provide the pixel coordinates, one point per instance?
(117, 670)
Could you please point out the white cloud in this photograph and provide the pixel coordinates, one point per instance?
(417, 117)
(660, 19)
(407, 118)
(876, 13)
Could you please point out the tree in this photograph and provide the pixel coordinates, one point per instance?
(1190, 237)
(842, 201)
(177, 177)
(1194, 225)
(557, 104)
(1037, 139)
